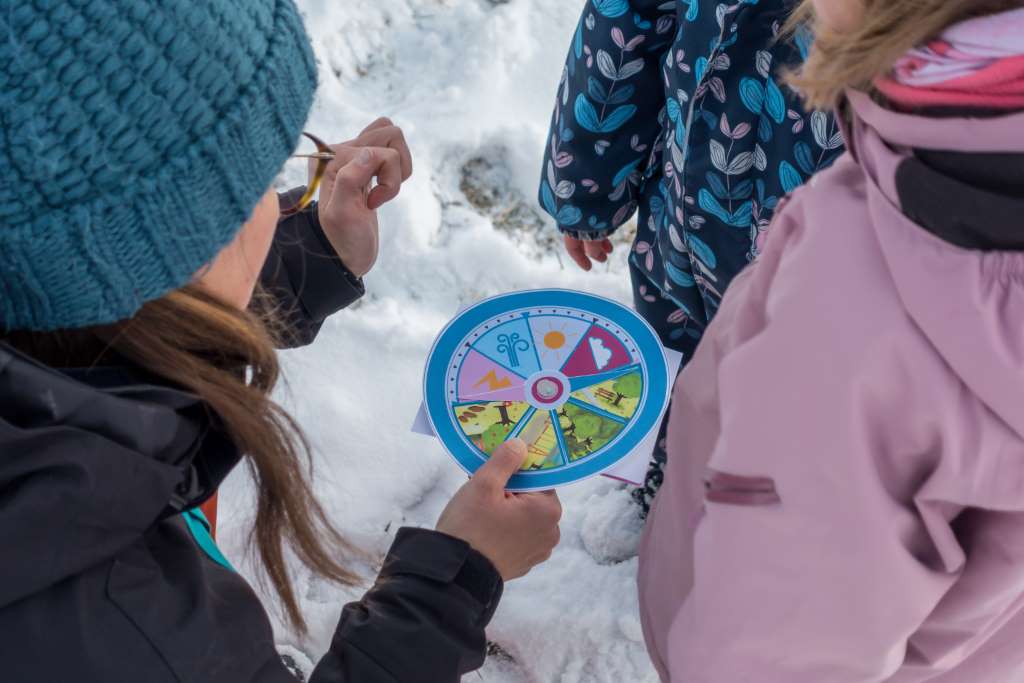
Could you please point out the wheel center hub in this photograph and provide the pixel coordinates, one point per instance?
(547, 390)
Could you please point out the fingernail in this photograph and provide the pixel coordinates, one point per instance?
(365, 157)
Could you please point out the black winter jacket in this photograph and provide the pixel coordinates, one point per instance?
(100, 579)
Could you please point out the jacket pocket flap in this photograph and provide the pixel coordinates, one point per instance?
(732, 489)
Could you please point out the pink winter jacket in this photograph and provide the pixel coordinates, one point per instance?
(844, 496)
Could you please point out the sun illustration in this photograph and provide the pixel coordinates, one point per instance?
(556, 341)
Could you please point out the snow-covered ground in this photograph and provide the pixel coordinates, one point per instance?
(472, 83)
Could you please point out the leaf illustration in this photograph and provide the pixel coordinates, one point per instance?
(752, 94)
(717, 185)
(606, 65)
(700, 68)
(612, 8)
(681, 134)
(804, 157)
(760, 158)
(623, 214)
(618, 38)
(775, 102)
(676, 151)
(625, 172)
(740, 164)
(569, 215)
(693, 11)
(708, 202)
(717, 88)
(677, 317)
(675, 239)
(565, 189)
(740, 131)
(743, 190)
(741, 217)
(720, 11)
(790, 177)
(596, 90)
(622, 95)
(718, 156)
(678, 276)
(764, 129)
(764, 63)
(563, 159)
(702, 251)
(630, 69)
(617, 119)
(819, 127)
(586, 115)
(673, 110)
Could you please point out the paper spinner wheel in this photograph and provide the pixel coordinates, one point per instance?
(581, 379)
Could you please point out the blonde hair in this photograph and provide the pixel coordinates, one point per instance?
(888, 29)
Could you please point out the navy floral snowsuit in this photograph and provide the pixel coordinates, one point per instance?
(677, 109)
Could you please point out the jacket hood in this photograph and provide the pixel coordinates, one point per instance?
(88, 464)
(966, 298)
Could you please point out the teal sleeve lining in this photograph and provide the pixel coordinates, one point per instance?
(199, 526)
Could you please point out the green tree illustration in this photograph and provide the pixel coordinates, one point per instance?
(629, 386)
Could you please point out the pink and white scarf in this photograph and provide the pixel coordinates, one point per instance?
(978, 63)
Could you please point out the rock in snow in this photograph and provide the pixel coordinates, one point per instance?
(472, 83)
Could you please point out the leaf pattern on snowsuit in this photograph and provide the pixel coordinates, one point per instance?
(677, 109)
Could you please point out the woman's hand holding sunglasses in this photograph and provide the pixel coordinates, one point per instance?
(365, 174)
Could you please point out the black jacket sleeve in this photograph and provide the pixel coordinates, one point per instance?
(423, 621)
(304, 278)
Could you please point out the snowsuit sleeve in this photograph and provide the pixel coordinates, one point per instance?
(606, 119)
(813, 560)
(305, 279)
(423, 621)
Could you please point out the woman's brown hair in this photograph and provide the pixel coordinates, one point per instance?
(225, 357)
(887, 30)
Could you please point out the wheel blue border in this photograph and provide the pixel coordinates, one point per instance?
(648, 346)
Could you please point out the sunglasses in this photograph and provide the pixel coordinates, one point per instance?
(323, 156)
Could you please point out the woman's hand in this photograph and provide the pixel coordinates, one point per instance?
(582, 251)
(349, 199)
(515, 531)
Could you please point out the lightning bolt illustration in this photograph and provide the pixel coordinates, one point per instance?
(493, 383)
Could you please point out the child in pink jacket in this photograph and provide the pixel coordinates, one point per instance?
(844, 496)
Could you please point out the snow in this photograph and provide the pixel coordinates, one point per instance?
(472, 83)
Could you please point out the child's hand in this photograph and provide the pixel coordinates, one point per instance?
(515, 531)
(582, 251)
(349, 199)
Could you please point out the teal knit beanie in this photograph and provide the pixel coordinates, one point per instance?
(136, 137)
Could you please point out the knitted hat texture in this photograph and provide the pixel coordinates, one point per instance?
(136, 137)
